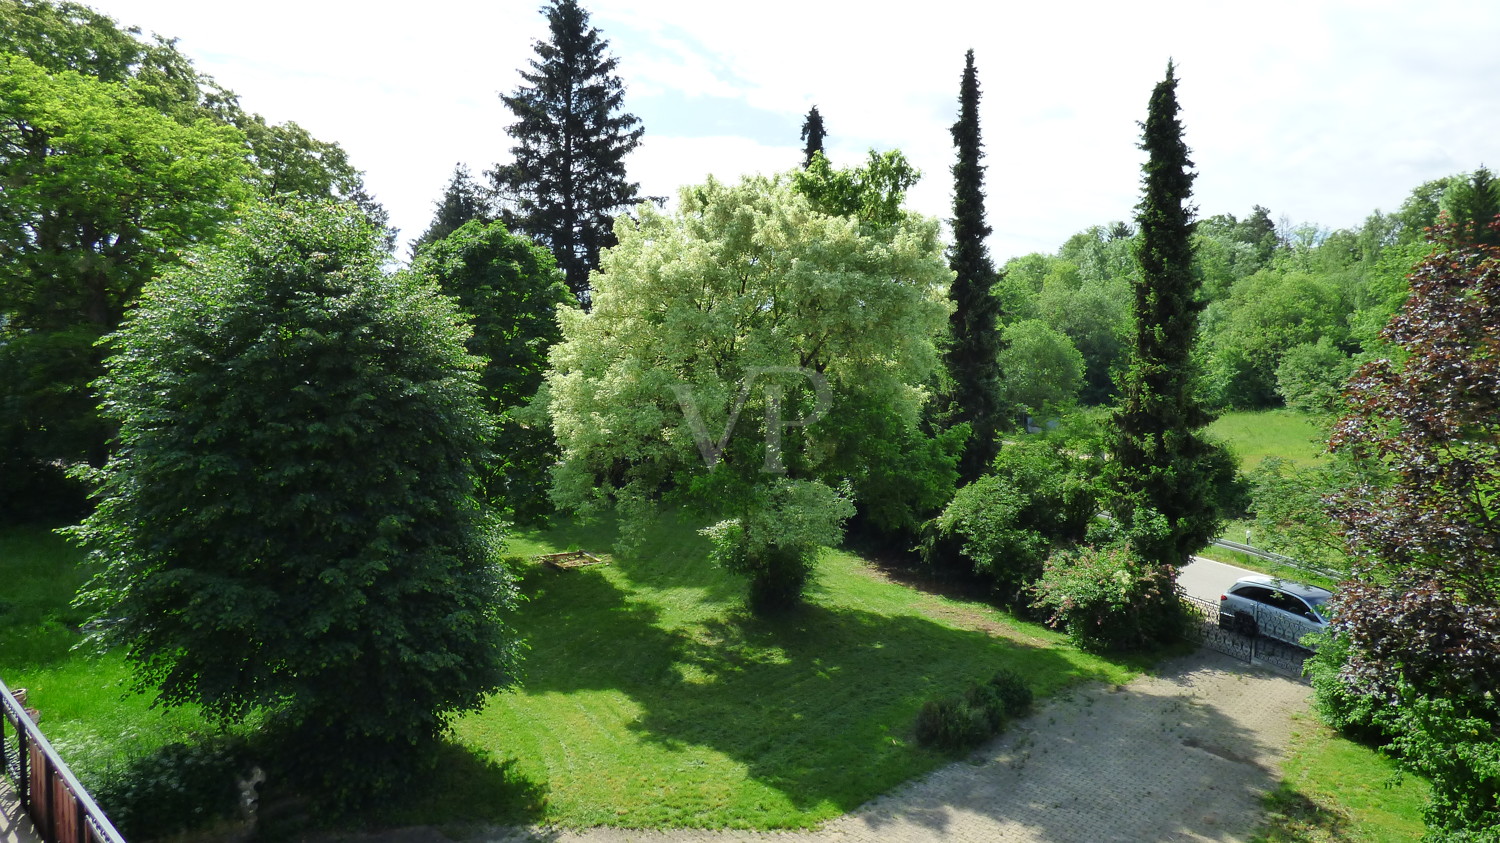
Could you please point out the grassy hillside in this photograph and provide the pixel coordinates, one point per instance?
(1253, 436)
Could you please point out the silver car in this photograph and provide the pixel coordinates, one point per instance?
(1275, 608)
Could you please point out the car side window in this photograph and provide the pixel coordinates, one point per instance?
(1256, 593)
(1294, 605)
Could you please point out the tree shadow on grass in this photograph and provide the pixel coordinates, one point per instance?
(474, 787)
(817, 704)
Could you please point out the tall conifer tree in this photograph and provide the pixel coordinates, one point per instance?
(1162, 465)
(567, 180)
(974, 325)
(812, 135)
(463, 200)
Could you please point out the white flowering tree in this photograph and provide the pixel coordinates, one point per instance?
(758, 358)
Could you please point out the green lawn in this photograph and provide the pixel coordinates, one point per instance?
(650, 699)
(1335, 790)
(1288, 434)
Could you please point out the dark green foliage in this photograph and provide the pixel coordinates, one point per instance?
(510, 290)
(567, 179)
(812, 136)
(1162, 463)
(1012, 692)
(1043, 493)
(462, 201)
(290, 523)
(959, 723)
(974, 327)
(176, 788)
(1110, 598)
(1473, 204)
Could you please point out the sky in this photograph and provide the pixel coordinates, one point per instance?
(1320, 111)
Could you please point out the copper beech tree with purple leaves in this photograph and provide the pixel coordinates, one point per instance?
(1421, 614)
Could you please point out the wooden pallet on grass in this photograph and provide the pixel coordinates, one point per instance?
(571, 559)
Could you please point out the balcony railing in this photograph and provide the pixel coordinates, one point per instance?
(59, 807)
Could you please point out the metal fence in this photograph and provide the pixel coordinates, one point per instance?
(1257, 643)
(59, 807)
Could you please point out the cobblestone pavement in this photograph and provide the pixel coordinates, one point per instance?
(1183, 756)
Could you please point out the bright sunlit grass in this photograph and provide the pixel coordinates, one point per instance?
(1288, 434)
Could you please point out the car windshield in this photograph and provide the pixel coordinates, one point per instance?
(1320, 605)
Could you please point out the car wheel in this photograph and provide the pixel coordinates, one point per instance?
(1244, 624)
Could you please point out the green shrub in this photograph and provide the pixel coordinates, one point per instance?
(1014, 694)
(178, 787)
(1108, 598)
(981, 712)
(1337, 701)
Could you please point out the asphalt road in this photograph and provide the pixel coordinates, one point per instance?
(1206, 579)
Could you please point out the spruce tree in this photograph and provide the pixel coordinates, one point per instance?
(1165, 477)
(463, 200)
(974, 325)
(812, 135)
(567, 179)
(1473, 203)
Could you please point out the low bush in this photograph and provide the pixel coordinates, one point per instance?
(962, 722)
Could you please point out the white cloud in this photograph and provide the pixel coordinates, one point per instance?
(1321, 111)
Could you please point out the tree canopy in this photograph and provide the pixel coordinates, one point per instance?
(511, 290)
(746, 341)
(567, 178)
(290, 522)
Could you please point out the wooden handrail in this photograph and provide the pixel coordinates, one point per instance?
(67, 813)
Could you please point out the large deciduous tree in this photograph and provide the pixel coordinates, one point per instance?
(975, 338)
(1421, 614)
(1163, 470)
(100, 192)
(567, 180)
(290, 524)
(749, 354)
(82, 145)
(511, 290)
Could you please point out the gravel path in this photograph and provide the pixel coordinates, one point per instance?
(1183, 756)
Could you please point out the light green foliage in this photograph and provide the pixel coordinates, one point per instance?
(1291, 510)
(1042, 368)
(510, 290)
(1109, 598)
(1266, 315)
(290, 523)
(100, 192)
(776, 542)
(872, 193)
(1042, 493)
(745, 301)
(1311, 376)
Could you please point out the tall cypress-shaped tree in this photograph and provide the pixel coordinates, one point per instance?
(463, 200)
(572, 135)
(812, 135)
(974, 325)
(1162, 465)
